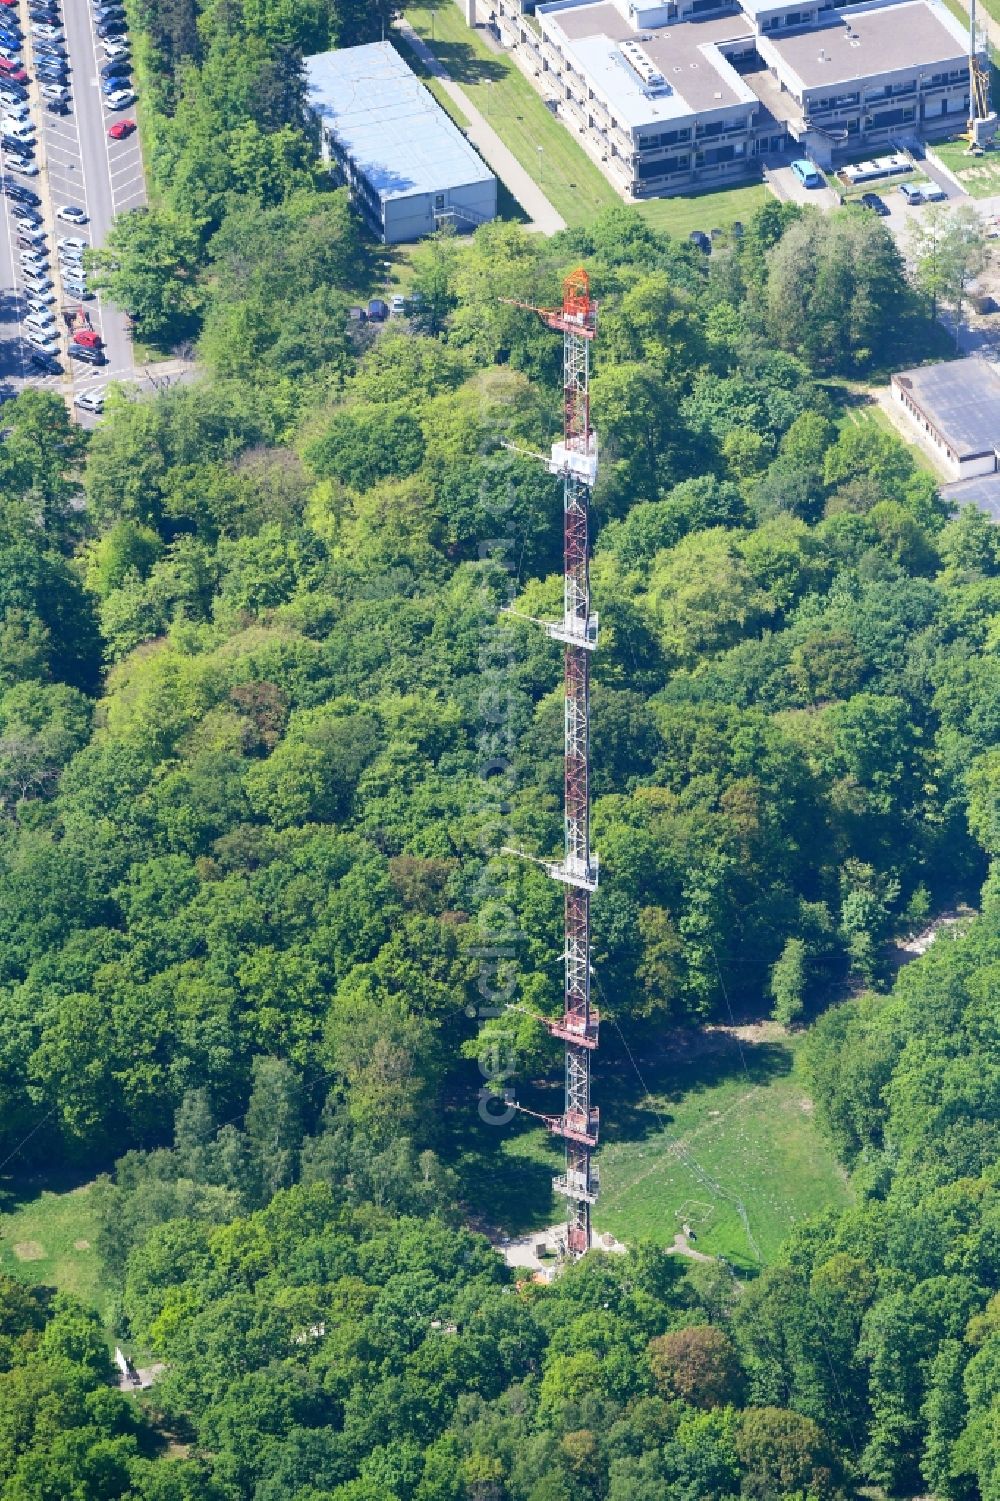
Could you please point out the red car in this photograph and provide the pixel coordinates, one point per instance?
(120, 129)
(13, 70)
(88, 337)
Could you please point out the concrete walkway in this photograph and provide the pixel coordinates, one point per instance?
(544, 219)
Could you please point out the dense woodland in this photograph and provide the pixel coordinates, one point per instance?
(263, 731)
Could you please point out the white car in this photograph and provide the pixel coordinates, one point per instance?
(55, 91)
(73, 242)
(23, 166)
(40, 341)
(20, 130)
(70, 214)
(114, 47)
(46, 32)
(120, 99)
(15, 109)
(90, 401)
(40, 302)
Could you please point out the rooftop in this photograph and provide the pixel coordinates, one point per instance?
(388, 123)
(983, 492)
(695, 76)
(863, 43)
(961, 399)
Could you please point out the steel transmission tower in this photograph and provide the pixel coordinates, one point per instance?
(575, 458)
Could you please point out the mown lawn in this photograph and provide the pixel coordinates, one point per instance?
(707, 211)
(979, 175)
(50, 1238)
(502, 94)
(724, 1141)
(573, 184)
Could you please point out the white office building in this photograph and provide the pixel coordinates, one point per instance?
(409, 168)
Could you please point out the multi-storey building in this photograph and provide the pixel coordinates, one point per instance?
(681, 93)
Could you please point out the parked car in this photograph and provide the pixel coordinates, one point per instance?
(378, 309)
(88, 356)
(20, 130)
(91, 400)
(13, 71)
(57, 107)
(54, 91)
(14, 109)
(110, 28)
(121, 129)
(37, 285)
(117, 67)
(113, 47)
(699, 239)
(89, 338)
(20, 193)
(808, 175)
(41, 341)
(46, 363)
(70, 213)
(41, 323)
(913, 192)
(22, 165)
(120, 99)
(397, 305)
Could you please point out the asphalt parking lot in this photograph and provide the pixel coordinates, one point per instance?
(79, 165)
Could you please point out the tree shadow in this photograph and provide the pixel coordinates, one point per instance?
(506, 1173)
(20, 1191)
(640, 1087)
(459, 58)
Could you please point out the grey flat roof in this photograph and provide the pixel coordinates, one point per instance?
(388, 123)
(983, 492)
(859, 43)
(685, 52)
(961, 399)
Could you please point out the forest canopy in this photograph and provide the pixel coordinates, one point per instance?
(265, 728)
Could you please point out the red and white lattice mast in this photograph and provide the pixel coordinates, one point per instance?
(575, 458)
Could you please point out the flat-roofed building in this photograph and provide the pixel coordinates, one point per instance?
(955, 407)
(409, 168)
(871, 74)
(682, 93)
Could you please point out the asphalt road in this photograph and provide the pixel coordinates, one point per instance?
(78, 165)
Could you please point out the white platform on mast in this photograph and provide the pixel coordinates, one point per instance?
(578, 461)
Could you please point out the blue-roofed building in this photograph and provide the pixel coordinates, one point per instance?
(409, 168)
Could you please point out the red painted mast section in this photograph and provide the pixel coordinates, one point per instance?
(575, 458)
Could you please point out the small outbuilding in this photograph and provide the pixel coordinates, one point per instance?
(955, 406)
(408, 166)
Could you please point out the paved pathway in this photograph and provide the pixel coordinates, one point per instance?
(497, 156)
